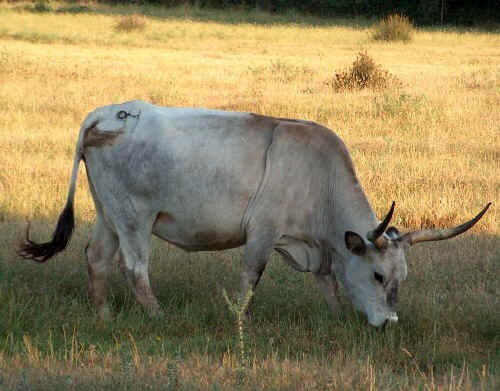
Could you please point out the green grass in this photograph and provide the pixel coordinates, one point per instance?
(49, 326)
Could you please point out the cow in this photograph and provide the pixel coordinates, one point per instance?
(212, 180)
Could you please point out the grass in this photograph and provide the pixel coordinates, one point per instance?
(431, 144)
(131, 23)
(394, 27)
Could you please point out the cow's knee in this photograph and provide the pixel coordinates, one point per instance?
(329, 287)
(254, 265)
(255, 261)
(250, 278)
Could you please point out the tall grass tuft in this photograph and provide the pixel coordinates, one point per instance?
(131, 23)
(394, 27)
(363, 73)
(239, 309)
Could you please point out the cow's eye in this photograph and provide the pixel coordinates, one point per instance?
(379, 277)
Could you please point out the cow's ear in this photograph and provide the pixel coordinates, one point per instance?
(355, 243)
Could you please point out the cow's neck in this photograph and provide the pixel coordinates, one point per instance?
(350, 211)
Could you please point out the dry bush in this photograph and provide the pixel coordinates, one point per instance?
(131, 23)
(363, 73)
(42, 6)
(479, 79)
(393, 27)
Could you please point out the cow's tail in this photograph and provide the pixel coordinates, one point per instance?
(41, 252)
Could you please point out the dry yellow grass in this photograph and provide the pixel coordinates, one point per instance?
(432, 145)
(444, 134)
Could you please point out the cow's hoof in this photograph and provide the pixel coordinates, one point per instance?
(156, 314)
(339, 310)
(247, 316)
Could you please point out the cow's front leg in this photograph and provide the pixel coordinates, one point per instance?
(329, 287)
(134, 259)
(255, 260)
(100, 252)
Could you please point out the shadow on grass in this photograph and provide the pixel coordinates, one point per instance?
(236, 15)
(227, 16)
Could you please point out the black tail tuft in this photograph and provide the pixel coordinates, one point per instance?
(41, 252)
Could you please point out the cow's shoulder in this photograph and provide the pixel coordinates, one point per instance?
(315, 137)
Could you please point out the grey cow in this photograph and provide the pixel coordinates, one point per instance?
(212, 180)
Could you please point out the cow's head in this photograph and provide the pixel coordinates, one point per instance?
(376, 265)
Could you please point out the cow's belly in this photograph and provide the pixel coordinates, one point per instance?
(202, 199)
(197, 235)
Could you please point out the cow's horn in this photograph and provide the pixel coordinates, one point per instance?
(376, 236)
(427, 235)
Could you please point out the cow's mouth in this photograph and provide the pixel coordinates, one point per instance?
(393, 317)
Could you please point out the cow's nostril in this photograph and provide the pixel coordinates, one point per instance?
(392, 296)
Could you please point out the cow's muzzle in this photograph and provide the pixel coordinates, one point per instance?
(391, 319)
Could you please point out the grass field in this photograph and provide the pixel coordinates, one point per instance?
(431, 144)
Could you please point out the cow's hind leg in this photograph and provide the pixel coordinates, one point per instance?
(100, 252)
(134, 259)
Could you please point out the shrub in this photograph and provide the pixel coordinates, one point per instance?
(131, 23)
(363, 73)
(42, 6)
(393, 27)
